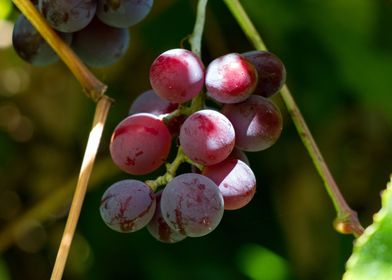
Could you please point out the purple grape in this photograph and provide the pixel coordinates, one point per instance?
(257, 123)
(140, 144)
(149, 102)
(68, 15)
(159, 229)
(100, 45)
(177, 75)
(127, 206)
(271, 72)
(30, 45)
(192, 204)
(123, 14)
(207, 137)
(230, 78)
(235, 180)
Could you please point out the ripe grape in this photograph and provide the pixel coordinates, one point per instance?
(230, 78)
(30, 45)
(123, 14)
(271, 72)
(177, 75)
(69, 15)
(100, 45)
(127, 205)
(235, 180)
(192, 204)
(257, 123)
(149, 102)
(158, 227)
(140, 144)
(207, 137)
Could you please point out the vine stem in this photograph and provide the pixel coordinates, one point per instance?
(93, 87)
(94, 139)
(346, 221)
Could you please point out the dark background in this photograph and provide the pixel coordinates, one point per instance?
(338, 55)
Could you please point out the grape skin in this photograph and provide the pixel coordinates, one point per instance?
(30, 46)
(100, 45)
(207, 137)
(150, 102)
(177, 75)
(257, 123)
(235, 180)
(271, 72)
(125, 13)
(140, 144)
(68, 15)
(158, 227)
(127, 206)
(230, 78)
(192, 204)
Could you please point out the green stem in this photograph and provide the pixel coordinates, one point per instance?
(347, 219)
(171, 169)
(93, 87)
(195, 38)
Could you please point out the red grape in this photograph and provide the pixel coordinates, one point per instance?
(177, 75)
(235, 180)
(271, 72)
(230, 78)
(149, 102)
(140, 144)
(207, 137)
(158, 227)
(257, 123)
(127, 205)
(192, 204)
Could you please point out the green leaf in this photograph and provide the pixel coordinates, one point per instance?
(372, 254)
(5, 8)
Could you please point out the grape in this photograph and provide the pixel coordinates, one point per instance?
(123, 14)
(149, 102)
(127, 205)
(100, 45)
(257, 123)
(235, 180)
(30, 45)
(230, 78)
(160, 229)
(207, 137)
(140, 144)
(192, 204)
(271, 72)
(177, 75)
(68, 15)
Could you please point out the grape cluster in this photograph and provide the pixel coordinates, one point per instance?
(173, 115)
(97, 30)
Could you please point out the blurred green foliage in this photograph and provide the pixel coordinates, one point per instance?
(338, 55)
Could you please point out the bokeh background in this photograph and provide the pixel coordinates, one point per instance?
(338, 55)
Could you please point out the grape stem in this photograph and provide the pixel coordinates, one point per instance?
(94, 139)
(346, 221)
(93, 87)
